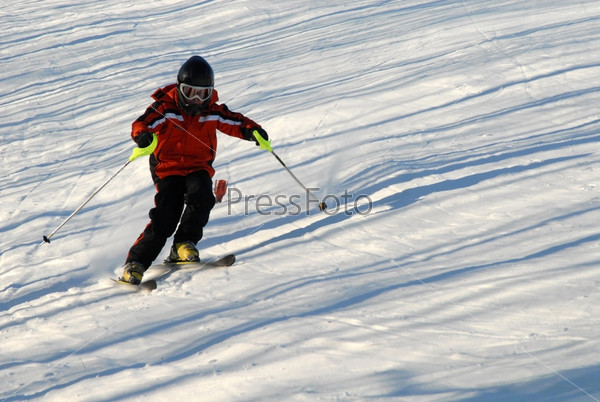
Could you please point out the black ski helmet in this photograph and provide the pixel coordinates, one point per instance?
(197, 72)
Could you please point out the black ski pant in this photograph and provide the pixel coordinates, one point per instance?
(194, 192)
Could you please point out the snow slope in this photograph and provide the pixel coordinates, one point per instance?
(462, 134)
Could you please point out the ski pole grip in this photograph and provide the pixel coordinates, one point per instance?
(264, 144)
(137, 152)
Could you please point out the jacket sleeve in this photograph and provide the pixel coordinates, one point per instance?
(233, 123)
(149, 121)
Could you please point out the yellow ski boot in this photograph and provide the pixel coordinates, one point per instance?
(185, 251)
(133, 272)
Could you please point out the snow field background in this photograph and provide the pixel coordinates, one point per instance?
(472, 127)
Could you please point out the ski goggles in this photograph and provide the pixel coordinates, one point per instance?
(192, 92)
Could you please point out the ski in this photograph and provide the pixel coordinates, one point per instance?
(148, 285)
(169, 266)
(225, 261)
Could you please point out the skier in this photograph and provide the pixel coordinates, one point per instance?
(184, 117)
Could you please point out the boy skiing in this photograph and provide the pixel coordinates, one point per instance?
(184, 117)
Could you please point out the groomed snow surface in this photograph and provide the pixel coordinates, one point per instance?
(456, 143)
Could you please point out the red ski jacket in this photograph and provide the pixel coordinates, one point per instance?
(186, 143)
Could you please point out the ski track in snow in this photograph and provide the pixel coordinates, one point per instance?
(463, 134)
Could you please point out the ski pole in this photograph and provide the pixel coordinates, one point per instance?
(136, 153)
(264, 144)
